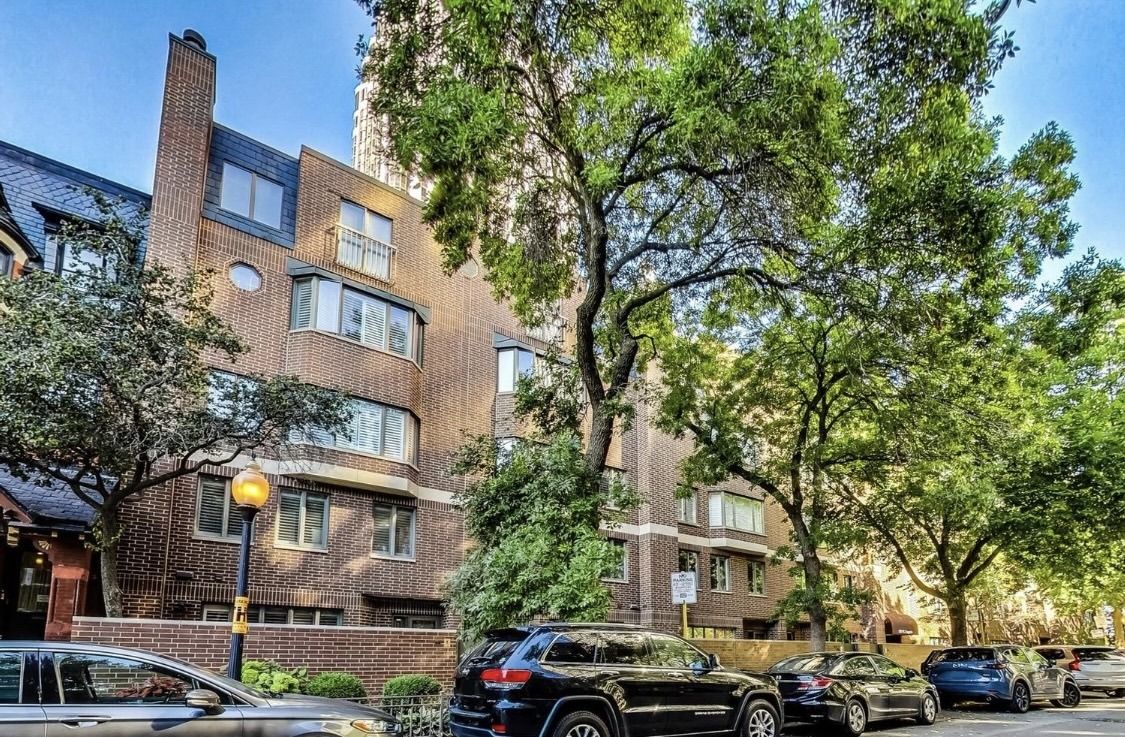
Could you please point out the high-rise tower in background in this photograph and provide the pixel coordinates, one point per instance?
(370, 143)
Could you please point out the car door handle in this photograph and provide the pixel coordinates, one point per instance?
(79, 721)
(610, 673)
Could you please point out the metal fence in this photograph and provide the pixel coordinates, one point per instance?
(421, 716)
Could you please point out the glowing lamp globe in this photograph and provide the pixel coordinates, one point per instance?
(250, 488)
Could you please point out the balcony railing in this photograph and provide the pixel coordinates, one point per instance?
(360, 252)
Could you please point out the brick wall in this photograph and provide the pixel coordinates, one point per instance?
(374, 654)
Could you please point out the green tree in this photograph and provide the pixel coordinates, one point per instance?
(627, 154)
(105, 387)
(1074, 498)
(533, 512)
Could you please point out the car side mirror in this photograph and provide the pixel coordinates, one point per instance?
(712, 661)
(911, 673)
(202, 698)
(1051, 662)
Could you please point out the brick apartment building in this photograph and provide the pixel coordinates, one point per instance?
(330, 275)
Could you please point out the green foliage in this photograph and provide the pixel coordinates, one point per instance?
(539, 503)
(107, 372)
(270, 677)
(336, 686)
(411, 685)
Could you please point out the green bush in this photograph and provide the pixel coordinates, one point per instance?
(269, 676)
(336, 686)
(411, 685)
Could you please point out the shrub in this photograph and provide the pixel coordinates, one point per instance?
(269, 676)
(336, 686)
(411, 685)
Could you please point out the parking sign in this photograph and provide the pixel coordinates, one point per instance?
(683, 588)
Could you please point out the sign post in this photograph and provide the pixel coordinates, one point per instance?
(683, 593)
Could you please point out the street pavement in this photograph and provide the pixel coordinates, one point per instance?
(1096, 716)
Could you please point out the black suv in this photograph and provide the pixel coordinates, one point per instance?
(605, 680)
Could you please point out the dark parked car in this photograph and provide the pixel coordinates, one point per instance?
(604, 680)
(852, 689)
(1006, 674)
(52, 689)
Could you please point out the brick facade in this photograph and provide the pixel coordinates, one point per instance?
(170, 571)
(374, 654)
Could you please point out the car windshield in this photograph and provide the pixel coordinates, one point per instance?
(812, 663)
(965, 655)
(1086, 654)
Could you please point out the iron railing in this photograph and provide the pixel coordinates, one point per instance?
(421, 716)
(363, 253)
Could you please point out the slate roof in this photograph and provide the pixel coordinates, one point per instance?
(53, 503)
(33, 183)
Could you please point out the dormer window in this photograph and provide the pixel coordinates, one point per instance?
(250, 195)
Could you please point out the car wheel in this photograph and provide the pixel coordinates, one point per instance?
(855, 718)
(581, 724)
(761, 720)
(927, 709)
(1119, 693)
(1072, 697)
(1021, 698)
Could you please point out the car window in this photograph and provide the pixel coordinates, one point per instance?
(10, 677)
(855, 667)
(964, 655)
(623, 648)
(1087, 653)
(672, 652)
(1035, 658)
(1014, 655)
(804, 664)
(100, 679)
(889, 668)
(1052, 653)
(572, 647)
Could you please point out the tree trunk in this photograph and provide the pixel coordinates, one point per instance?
(109, 536)
(597, 444)
(818, 616)
(958, 624)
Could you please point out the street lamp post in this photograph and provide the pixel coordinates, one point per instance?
(250, 491)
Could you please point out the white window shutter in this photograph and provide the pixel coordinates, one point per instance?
(381, 541)
(374, 323)
(369, 426)
(302, 303)
(289, 518)
(316, 521)
(404, 532)
(393, 440)
(212, 503)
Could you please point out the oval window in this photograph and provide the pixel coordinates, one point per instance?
(245, 277)
(469, 269)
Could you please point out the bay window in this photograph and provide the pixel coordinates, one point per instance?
(323, 304)
(374, 428)
(736, 512)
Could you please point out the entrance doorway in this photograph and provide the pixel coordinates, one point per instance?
(26, 594)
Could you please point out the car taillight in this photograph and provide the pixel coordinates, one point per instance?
(815, 683)
(1075, 664)
(504, 677)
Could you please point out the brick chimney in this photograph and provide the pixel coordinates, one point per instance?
(182, 152)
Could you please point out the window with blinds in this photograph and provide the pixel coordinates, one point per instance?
(394, 531)
(306, 616)
(323, 304)
(215, 516)
(302, 519)
(374, 428)
(736, 512)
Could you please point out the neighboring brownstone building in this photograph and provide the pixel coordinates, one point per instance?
(330, 275)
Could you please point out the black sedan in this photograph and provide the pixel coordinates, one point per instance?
(852, 689)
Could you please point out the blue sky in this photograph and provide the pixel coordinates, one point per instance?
(81, 83)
